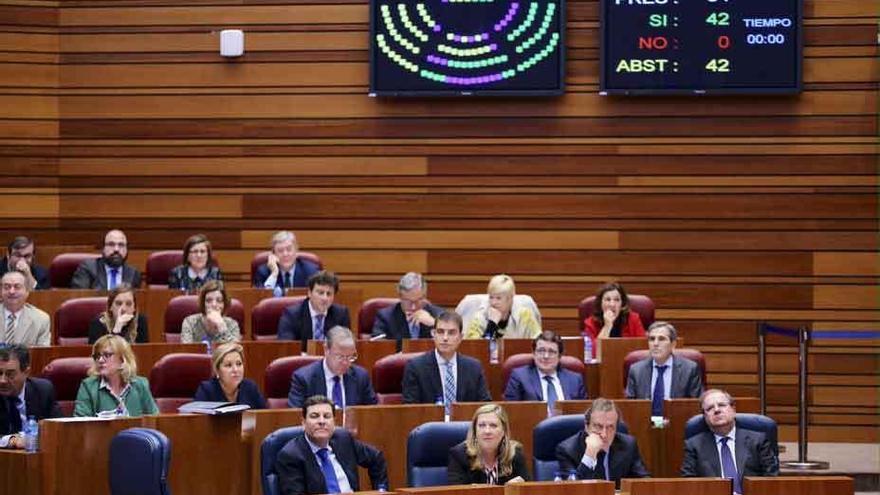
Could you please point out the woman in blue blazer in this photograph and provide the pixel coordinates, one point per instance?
(229, 383)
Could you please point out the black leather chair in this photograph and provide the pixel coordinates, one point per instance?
(269, 450)
(139, 459)
(427, 451)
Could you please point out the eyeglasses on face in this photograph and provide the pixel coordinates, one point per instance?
(106, 355)
(342, 358)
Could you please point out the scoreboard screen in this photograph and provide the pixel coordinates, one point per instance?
(467, 47)
(700, 46)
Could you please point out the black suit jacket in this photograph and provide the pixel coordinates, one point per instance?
(459, 471)
(299, 471)
(754, 455)
(422, 383)
(304, 269)
(39, 400)
(392, 322)
(296, 321)
(92, 274)
(310, 380)
(41, 275)
(686, 379)
(625, 462)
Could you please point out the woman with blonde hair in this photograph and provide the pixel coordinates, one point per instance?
(113, 387)
(229, 383)
(121, 318)
(502, 314)
(488, 455)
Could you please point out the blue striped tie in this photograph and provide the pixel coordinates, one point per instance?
(448, 388)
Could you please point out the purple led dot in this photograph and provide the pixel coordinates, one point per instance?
(485, 36)
(493, 47)
(437, 28)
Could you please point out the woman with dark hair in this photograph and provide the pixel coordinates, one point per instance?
(210, 323)
(121, 318)
(229, 383)
(611, 316)
(488, 456)
(198, 266)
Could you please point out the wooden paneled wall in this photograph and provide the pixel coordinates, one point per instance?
(725, 210)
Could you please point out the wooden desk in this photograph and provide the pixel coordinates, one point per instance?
(678, 486)
(454, 490)
(20, 472)
(76, 454)
(583, 487)
(799, 485)
(207, 453)
(387, 427)
(612, 353)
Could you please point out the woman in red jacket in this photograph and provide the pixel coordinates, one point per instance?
(611, 316)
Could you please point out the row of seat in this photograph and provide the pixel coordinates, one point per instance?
(159, 264)
(176, 376)
(73, 316)
(140, 457)
(428, 445)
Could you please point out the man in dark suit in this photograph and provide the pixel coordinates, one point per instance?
(412, 317)
(20, 254)
(545, 379)
(325, 459)
(110, 270)
(725, 450)
(678, 376)
(443, 375)
(336, 376)
(284, 269)
(313, 317)
(600, 452)
(21, 396)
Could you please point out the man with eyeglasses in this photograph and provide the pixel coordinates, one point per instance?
(443, 375)
(545, 379)
(725, 450)
(21, 256)
(21, 396)
(336, 376)
(600, 452)
(412, 317)
(110, 270)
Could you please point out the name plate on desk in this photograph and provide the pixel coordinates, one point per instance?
(678, 486)
(455, 490)
(580, 487)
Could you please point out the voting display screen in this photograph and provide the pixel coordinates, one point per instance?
(700, 46)
(466, 47)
